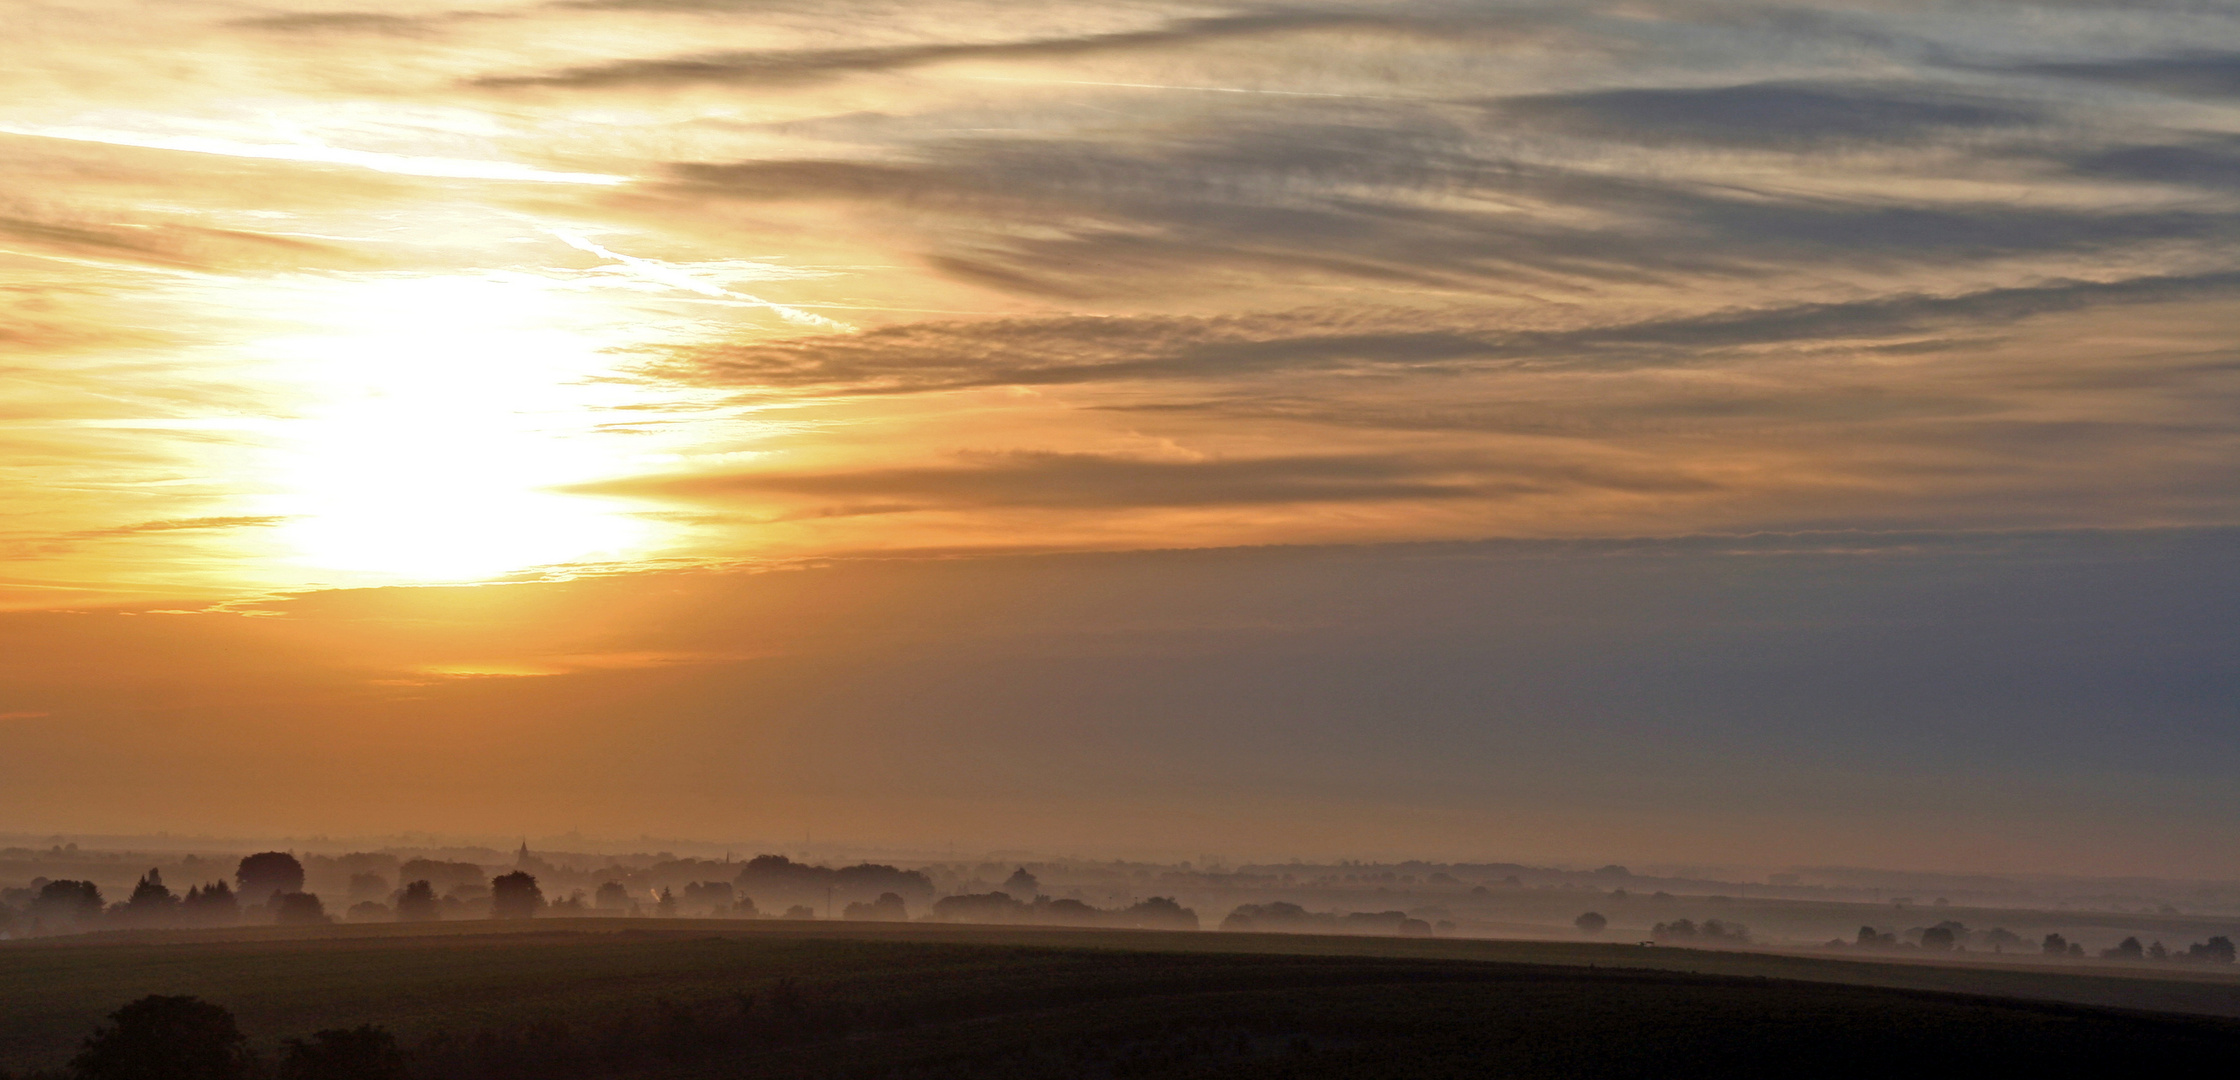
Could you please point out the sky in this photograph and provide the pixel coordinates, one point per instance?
(1779, 433)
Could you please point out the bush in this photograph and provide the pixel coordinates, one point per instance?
(1590, 923)
(515, 896)
(267, 874)
(418, 903)
(67, 902)
(360, 1053)
(977, 907)
(2127, 949)
(298, 909)
(1160, 913)
(2216, 950)
(887, 908)
(165, 1038)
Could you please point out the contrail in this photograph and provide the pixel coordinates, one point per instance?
(655, 270)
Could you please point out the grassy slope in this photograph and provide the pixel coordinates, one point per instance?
(460, 977)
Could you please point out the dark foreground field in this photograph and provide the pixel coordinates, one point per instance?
(617, 1000)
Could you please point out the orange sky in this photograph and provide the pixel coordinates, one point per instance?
(634, 304)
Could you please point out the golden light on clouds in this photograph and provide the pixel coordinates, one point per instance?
(1064, 420)
(415, 293)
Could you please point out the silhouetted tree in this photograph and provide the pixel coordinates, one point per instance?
(1160, 913)
(268, 872)
(2127, 949)
(2054, 945)
(1937, 939)
(979, 907)
(776, 880)
(708, 897)
(611, 896)
(211, 905)
(1066, 912)
(1021, 886)
(67, 902)
(368, 886)
(418, 903)
(298, 909)
(446, 877)
(360, 1053)
(665, 905)
(1590, 923)
(150, 899)
(2216, 950)
(165, 1038)
(2156, 951)
(887, 908)
(1288, 917)
(515, 896)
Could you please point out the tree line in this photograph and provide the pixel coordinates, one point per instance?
(268, 887)
(1954, 936)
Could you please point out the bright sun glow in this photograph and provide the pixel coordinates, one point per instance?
(446, 410)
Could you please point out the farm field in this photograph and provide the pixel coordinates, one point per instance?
(615, 998)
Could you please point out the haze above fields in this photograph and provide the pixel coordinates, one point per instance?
(2176, 928)
(1766, 434)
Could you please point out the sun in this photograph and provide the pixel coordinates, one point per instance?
(440, 416)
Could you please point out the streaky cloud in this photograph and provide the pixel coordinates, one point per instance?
(2205, 75)
(1777, 114)
(777, 68)
(929, 357)
(1039, 479)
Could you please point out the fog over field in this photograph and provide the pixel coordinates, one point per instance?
(2172, 926)
(417, 962)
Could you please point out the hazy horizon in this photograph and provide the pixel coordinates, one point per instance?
(1761, 434)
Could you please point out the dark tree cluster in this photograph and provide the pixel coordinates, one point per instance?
(515, 896)
(270, 889)
(716, 898)
(1710, 932)
(2216, 950)
(1952, 936)
(1155, 913)
(776, 880)
(889, 907)
(1284, 917)
(164, 1037)
(64, 907)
